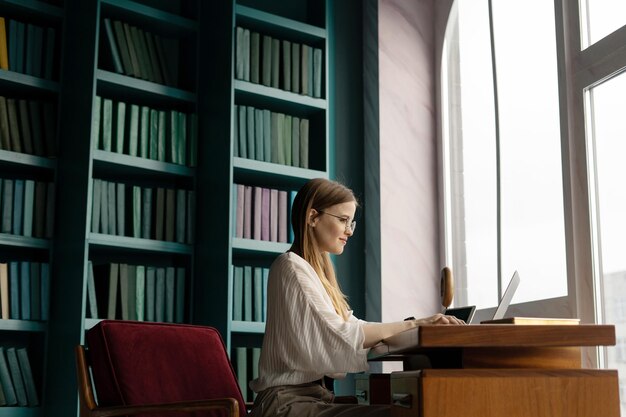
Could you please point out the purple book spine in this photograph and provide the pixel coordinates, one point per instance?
(256, 213)
(282, 216)
(239, 214)
(247, 212)
(274, 215)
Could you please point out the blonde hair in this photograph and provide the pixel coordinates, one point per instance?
(319, 194)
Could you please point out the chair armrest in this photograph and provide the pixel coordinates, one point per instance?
(229, 404)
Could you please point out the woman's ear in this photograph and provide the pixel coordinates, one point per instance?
(312, 217)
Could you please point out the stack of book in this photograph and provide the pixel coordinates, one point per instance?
(27, 126)
(271, 137)
(249, 293)
(17, 385)
(262, 213)
(136, 292)
(246, 363)
(277, 63)
(27, 48)
(25, 290)
(137, 53)
(142, 212)
(162, 135)
(27, 207)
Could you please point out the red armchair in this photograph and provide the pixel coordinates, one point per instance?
(155, 368)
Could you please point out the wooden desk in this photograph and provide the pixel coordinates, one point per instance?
(500, 370)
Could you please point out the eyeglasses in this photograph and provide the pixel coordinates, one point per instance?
(345, 220)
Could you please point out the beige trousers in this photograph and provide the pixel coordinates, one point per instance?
(309, 400)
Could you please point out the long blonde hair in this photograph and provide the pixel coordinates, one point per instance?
(319, 194)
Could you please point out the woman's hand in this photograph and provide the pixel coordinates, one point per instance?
(439, 319)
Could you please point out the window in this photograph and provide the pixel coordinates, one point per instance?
(600, 18)
(502, 147)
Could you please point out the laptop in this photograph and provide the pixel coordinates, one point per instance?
(467, 313)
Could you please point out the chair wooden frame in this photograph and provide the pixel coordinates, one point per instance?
(89, 408)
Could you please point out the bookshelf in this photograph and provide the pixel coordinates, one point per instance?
(198, 86)
(28, 148)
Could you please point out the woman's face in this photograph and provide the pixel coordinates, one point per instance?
(330, 232)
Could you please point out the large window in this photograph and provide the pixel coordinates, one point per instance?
(503, 151)
(600, 18)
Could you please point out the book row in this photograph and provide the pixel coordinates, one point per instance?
(277, 63)
(249, 293)
(27, 207)
(25, 290)
(271, 137)
(246, 364)
(27, 126)
(136, 292)
(17, 385)
(162, 135)
(142, 212)
(27, 48)
(137, 53)
(262, 213)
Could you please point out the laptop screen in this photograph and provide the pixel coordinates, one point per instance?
(507, 297)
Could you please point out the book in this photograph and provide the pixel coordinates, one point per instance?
(121, 208)
(170, 296)
(309, 71)
(239, 59)
(282, 216)
(27, 376)
(142, 53)
(123, 285)
(237, 293)
(168, 79)
(14, 290)
(247, 293)
(295, 68)
(182, 138)
(259, 151)
(274, 138)
(115, 53)
(275, 63)
(96, 193)
(27, 140)
(191, 213)
(292, 197)
(91, 292)
(258, 295)
(255, 51)
(180, 295)
(137, 211)
(36, 126)
(273, 215)
(154, 58)
(4, 50)
(287, 139)
(120, 122)
(161, 135)
(4, 291)
(304, 66)
(304, 143)
(18, 206)
(132, 292)
(295, 142)
(50, 131)
(150, 293)
(181, 211)
(7, 205)
(16, 377)
(317, 72)
(153, 135)
(107, 124)
(140, 292)
(250, 133)
(159, 304)
(533, 321)
(144, 133)
(111, 200)
(280, 141)
(256, 212)
(35, 291)
(235, 137)
(242, 370)
(286, 84)
(239, 197)
(20, 48)
(120, 37)
(242, 130)
(133, 131)
(132, 51)
(45, 291)
(5, 379)
(114, 272)
(266, 72)
(246, 55)
(29, 207)
(104, 206)
(170, 214)
(16, 141)
(173, 145)
(96, 113)
(5, 135)
(267, 136)
(146, 213)
(159, 221)
(12, 44)
(265, 214)
(266, 275)
(247, 212)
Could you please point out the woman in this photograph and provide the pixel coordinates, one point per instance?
(310, 331)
